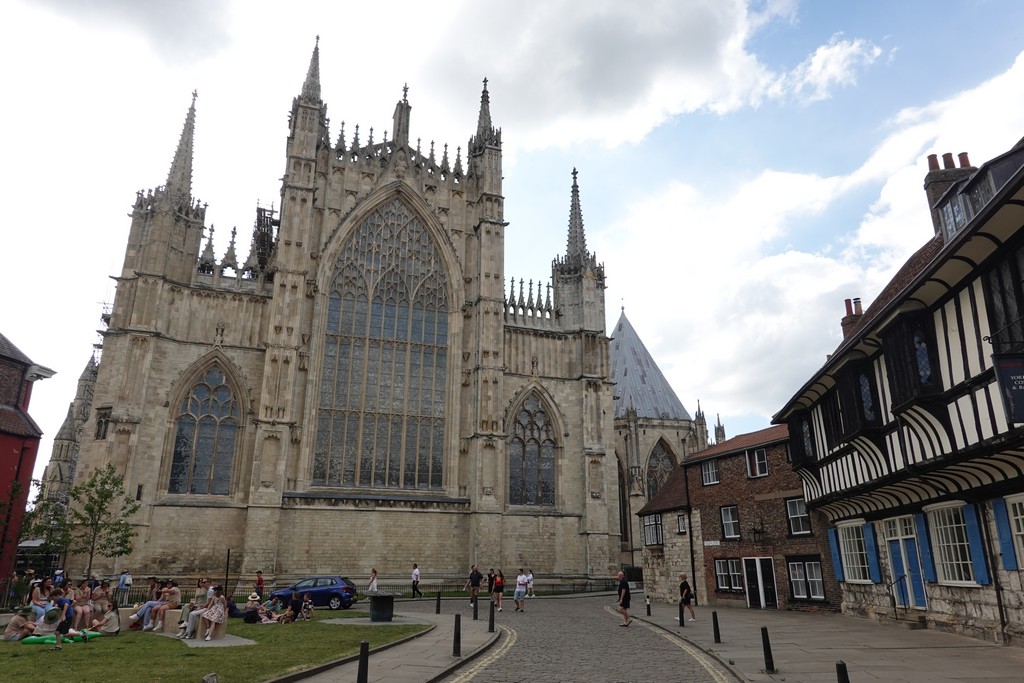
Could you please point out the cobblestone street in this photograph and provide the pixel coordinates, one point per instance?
(580, 640)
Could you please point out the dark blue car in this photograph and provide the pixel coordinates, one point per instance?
(334, 592)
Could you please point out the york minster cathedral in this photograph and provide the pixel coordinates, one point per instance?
(369, 387)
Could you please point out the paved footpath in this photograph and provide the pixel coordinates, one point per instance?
(578, 639)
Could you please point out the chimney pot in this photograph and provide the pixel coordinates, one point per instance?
(964, 161)
(933, 162)
(947, 160)
(857, 310)
(849, 307)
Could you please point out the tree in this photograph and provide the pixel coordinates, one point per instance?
(95, 520)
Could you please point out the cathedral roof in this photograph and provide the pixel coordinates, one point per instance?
(639, 382)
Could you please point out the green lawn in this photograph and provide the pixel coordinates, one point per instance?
(135, 657)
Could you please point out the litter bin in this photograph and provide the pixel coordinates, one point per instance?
(382, 606)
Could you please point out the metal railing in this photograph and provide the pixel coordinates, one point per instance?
(892, 597)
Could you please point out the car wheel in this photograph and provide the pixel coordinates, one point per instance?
(335, 602)
(346, 605)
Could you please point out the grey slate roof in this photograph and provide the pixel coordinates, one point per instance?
(9, 350)
(638, 380)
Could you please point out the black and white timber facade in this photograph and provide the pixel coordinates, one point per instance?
(906, 437)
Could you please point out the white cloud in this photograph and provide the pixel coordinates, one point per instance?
(835, 64)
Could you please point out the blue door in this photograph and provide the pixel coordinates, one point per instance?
(900, 587)
(914, 572)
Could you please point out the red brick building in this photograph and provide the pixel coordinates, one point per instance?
(733, 517)
(19, 442)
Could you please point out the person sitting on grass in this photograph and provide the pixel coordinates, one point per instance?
(109, 624)
(47, 625)
(81, 598)
(294, 609)
(251, 611)
(20, 625)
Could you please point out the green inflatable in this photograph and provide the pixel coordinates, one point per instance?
(52, 640)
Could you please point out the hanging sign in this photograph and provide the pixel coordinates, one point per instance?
(1010, 379)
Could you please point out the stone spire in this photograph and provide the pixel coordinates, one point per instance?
(311, 87)
(486, 134)
(576, 247)
(180, 176)
(400, 131)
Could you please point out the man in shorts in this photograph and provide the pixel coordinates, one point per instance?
(473, 584)
(519, 597)
(623, 604)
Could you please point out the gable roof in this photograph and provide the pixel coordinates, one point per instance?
(12, 352)
(639, 383)
(671, 496)
(742, 442)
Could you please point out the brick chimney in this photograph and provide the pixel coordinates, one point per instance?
(852, 317)
(938, 180)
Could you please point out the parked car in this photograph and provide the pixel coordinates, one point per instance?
(335, 592)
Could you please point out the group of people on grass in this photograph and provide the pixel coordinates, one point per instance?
(59, 608)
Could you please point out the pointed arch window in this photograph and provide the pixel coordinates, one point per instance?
(659, 466)
(205, 437)
(531, 456)
(383, 382)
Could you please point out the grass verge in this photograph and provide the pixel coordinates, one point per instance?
(135, 657)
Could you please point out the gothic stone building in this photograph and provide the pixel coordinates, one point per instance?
(909, 437)
(363, 386)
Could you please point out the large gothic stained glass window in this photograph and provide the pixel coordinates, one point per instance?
(531, 456)
(383, 382)
(205, 434)
(659, 466)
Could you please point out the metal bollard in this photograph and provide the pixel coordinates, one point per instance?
(714, 626)
(476, 609)
(437, 608)
(363, 673)
(769, 661)
(457, 643)
(490, 619)
(841, 675)
(682, 615)
(648, 600)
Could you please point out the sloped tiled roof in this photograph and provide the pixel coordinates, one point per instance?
(671, 495)
(9, 350)
(638, 380)
(17, 423)
(743, 442)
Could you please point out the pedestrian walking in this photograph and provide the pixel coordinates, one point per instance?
(259, 583)
(490, 583)
(416, 581)
(499, 588)
(519, 597)
(529, 583)
(686, 595)
(473, 584)
(623, 603)
(372, 586)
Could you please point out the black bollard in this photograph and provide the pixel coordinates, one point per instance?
(457, 643)
(476, 606)
(363, 674)
(769, 661)
(490, 619)
(714, 626)
(841, 675)
(437, 608)
(648, 606)
(682, 615)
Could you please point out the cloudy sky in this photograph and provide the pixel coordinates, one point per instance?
(744, 166)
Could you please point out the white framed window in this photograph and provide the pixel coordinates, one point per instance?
(729, 574)
(799, 520)
(652, 530)
(730, 522)
(854, 553)
(1015, 511)
(805, 580)
(736, 574)
(757, 463)
(950, 546)
(709, 472)
(680, 524)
